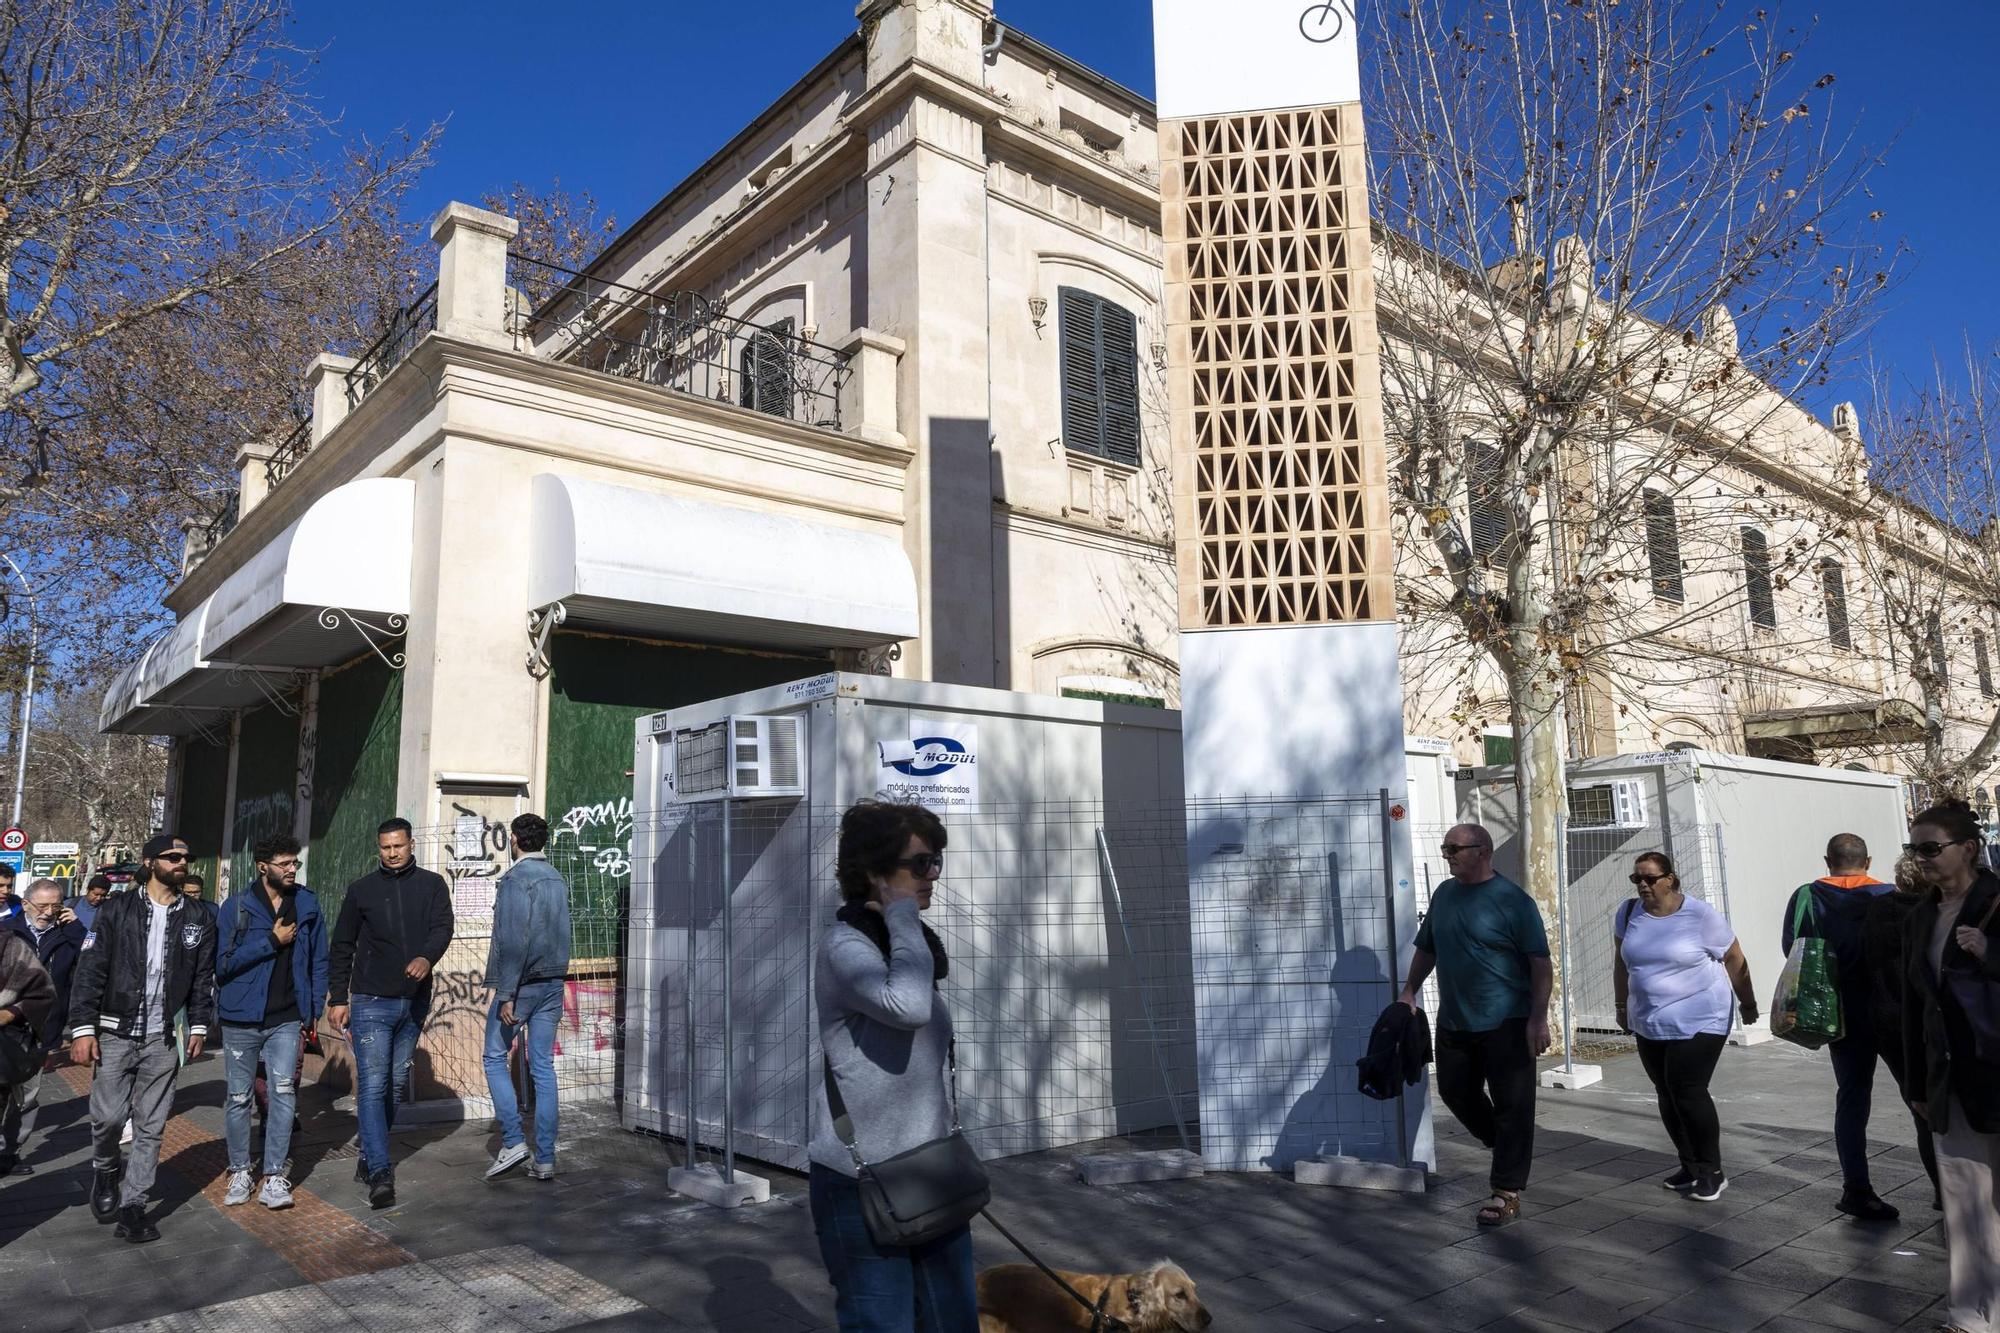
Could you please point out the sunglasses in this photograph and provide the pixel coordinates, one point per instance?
(927, 866)
(1646, 881)
(1929, 851)
(1454, 848)
(172, 857)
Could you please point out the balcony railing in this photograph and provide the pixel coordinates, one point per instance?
(677, 340)
(202, 539)
(289, 454)
(406, 328)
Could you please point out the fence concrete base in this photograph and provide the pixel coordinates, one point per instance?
(1131, 1168)
(432, 1111)
(1573, 1079)
(705, 1183)
(1354, 1174)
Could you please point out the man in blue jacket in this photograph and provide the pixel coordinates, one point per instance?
(526, 964)
(270, 967)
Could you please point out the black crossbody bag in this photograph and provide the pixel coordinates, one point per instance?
(918, 1195)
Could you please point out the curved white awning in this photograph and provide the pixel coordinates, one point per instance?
(630, 559)
(122, 710)
(349, 552)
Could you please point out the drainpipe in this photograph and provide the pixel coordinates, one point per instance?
(991, 51)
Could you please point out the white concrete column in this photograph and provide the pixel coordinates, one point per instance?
(326, 387)
(868, 399)
(472, 273)
(253, 482)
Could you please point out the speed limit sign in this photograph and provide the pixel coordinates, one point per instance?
(13, 840)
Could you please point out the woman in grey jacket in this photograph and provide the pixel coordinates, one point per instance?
(887, 1037)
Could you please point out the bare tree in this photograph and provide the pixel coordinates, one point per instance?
(1618, 240)
(97, 790)
(1934, 562)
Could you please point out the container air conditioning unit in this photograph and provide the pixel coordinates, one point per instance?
(745, 755)
(1618, 804)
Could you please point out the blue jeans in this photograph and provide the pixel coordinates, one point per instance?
(385, 1033)
(927, 1288)
(242, 1048)
(537, 1008)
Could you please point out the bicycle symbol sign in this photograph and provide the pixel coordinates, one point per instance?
(1323, 22)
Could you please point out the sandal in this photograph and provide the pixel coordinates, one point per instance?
(1506, 1206)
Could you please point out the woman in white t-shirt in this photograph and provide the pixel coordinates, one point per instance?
(1675, 962)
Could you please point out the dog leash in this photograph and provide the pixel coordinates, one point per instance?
(1100, 1322)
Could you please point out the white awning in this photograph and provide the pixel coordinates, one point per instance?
(297, 601)
(122, 710)
(172, 689)
(622, 558)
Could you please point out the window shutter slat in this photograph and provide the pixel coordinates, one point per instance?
(1982, 663)
(1934, 640)
(1118, 331)
(1082, 372)
(1486, 511)
(1663, 548)
(1757, 579)
(1834, 581)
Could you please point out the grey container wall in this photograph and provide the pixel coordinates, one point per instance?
(1744, 833)
(1046, 1000)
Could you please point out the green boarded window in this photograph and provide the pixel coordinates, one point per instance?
(1499, 748)
(267, 772)
(599, 687)
(204, 781)
(359, 730)
(1111, 697)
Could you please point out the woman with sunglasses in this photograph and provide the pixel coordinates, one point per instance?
(886, 1034)
(1675, 961)
(1951, 967)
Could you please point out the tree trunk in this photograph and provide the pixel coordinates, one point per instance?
(1535, 688)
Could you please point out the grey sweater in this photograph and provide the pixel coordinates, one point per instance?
(887, 1033)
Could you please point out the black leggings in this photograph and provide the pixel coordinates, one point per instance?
(1680, 1071)
(1488, 1081)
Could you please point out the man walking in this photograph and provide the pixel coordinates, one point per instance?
(1835, 906)
(394, 926)
(57, 939)
(525, 965)
(10, 902)
(271, 964)
(92, 898)
(1484, 936)
(152, 953)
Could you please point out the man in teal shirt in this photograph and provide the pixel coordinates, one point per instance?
(1484, 936)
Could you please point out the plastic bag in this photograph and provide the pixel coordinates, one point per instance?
(1805, 1009)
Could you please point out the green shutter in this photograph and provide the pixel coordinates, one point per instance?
(1082, 371)
(1118, 329)
(267, 771)
(204, 782)
(359, 734)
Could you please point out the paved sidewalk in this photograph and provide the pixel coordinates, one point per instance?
(1601, 1246)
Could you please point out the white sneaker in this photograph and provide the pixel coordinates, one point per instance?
(125, 1135)
(542, 1170)
(241, 1186)
(507, 1159)
(276, 1194)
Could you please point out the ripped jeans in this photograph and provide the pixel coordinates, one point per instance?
(242, 1047)
(384, 1032)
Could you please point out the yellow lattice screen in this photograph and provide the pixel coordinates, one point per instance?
(1281, 497)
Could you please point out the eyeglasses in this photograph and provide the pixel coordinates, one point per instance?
(1454, 848)
(1646, 881)
(929, 865)
(1929, 851)
(172, 857)
(283, 865)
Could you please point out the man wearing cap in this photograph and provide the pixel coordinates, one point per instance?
(151, 953)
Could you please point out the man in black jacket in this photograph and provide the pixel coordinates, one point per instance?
(394, 926)
(57, 938)
(151, 953)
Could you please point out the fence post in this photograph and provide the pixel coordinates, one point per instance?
(1395, 962)
(1145, 1001)
(687, 985)
(1562, 928)
(728, 1006)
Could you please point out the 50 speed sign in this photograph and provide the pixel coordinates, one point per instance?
(13, 840)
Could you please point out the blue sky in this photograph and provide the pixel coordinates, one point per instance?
(624, 98)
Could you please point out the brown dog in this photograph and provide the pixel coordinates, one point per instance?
(1018, 1298)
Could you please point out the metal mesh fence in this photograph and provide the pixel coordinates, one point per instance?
(1098, 988)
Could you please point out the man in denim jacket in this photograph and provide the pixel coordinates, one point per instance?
(525, 965)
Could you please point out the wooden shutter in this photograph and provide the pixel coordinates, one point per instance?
(1834, 582)
(1118, 335)
(1486, 509)
(1757, 579)
(766, 370)
(1663, 548)
(1982, 663)
(1934, 641)
(1079, 318)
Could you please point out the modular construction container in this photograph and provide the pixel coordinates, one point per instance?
(1744, 834)
(1062, 907)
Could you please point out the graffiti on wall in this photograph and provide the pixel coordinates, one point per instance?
(598, 835)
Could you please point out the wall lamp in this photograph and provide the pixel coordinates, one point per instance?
(1038, 306)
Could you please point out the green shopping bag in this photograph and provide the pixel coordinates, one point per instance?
(1806, 1008)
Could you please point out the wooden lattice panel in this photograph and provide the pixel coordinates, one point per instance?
(1281, 495)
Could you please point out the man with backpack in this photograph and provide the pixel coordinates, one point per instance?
(1834, 908)
(271, 964)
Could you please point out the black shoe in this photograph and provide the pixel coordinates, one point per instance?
(104, 1194)
(133, 1226)
(1867, 1207)
(382, 1190)
(1680, 1182)
(8, 1163)
(361, 1170)
(1709, 1186)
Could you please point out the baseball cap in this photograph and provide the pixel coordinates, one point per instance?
(159, 842)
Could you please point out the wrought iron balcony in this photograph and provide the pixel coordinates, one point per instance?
(290, 452)
(202, 537)
(677, 340)
(406, 328)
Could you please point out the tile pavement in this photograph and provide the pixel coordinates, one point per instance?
(1601, 1245)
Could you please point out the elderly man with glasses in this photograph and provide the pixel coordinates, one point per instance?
(151, 953)
(1485, 937)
